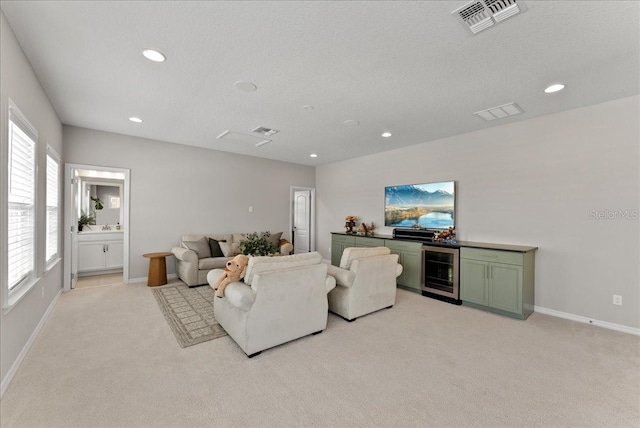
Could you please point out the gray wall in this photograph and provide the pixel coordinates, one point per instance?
(177, 189)
(19, 82)
(540, 182)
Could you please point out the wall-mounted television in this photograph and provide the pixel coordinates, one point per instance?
(428, 205)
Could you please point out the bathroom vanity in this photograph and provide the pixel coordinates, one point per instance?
(100, 251)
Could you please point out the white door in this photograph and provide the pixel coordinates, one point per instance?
(301, 221)
(74, 190)
(91, 256)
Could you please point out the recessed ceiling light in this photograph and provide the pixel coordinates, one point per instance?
(313, 155)
(308, 107)
(135, 119)
(554, 88)
(386, 134)
(351, 122)
(245, 86)
(154, 55)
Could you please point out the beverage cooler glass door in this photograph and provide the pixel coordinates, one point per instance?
(440, 271)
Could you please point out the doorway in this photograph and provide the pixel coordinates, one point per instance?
(303, 219)
(105, 246)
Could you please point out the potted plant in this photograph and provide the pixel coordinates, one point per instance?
(257, 245)
(85, 220)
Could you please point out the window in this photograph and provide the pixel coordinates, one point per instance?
(21, 200)
(52, 205)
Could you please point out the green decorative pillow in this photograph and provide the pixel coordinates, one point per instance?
(214, 246)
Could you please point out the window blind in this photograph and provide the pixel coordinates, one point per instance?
(21, 202)
(52, 208)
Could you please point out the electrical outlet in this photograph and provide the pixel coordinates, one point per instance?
(617, 300)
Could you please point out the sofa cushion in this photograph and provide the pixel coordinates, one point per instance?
(229, 249)
(274, 239)
(212, 263)
(214, 246)
(265, 263)
(200, 246)
(352, 253)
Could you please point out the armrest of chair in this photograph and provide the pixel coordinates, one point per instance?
(343, 277)
(330, 283)
(240, 295)
(185, 255)
(399, 270)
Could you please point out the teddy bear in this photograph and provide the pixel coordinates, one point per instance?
(285, 247)
(233, 271)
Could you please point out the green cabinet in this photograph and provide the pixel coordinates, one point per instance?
(498, 281)
(338, 244)
(410, 257)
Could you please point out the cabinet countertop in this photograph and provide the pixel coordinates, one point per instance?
(459, 244)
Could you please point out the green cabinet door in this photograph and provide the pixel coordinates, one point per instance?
(473, 281)
(338, 244)
(410, 257)
(411, 270)
(505, 292)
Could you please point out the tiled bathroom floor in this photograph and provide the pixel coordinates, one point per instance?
(99, 280)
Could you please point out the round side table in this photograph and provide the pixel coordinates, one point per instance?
(157, 269)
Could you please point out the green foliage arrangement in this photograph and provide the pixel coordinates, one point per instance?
(98, 205)
(257, 245)
(85, 219)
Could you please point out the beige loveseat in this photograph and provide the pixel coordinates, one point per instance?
(281, 299)
(198, 253)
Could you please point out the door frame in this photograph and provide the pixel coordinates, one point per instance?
(71, 218)
(312, 222)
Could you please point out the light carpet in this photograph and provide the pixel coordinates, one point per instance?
(107, 358)
(189, 312)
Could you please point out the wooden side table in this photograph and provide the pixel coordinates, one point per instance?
(157, 269)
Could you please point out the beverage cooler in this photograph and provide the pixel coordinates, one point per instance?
(440, 273)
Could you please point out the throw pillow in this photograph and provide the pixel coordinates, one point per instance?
(229, 249)
(200, 246)
(214, 246)
(274, 239)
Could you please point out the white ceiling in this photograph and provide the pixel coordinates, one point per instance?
(406, 67)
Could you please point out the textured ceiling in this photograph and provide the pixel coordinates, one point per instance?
(405, 67)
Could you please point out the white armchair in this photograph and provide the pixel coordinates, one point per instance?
(365, 281)
(281, 299)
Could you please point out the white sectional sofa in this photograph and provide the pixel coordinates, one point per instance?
(197, 254)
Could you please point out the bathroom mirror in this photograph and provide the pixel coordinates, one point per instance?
(109, 194)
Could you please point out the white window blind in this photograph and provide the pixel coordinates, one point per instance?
(52, 207)
(21, 200)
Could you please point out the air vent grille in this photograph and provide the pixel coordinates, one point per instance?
(480, 15)
(505, 110)
(267, 132)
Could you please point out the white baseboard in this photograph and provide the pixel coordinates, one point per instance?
(16, 364)
(578, 318)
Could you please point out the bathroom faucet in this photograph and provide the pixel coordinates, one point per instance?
(106, 227)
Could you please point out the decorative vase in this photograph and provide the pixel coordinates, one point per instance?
(349, 225)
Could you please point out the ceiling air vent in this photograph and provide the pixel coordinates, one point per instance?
(239, 138)
(267, 132)
(480, 15)
(499, 112)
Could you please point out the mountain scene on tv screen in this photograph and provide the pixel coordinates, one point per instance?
(430, 206)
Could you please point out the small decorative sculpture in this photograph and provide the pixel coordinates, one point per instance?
(350, 223)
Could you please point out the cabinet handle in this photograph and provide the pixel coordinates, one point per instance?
(103, 249)
(107, 247)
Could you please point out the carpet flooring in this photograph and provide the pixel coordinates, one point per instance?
(189, 312)
(107, 358)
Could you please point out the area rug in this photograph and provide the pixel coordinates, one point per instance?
(189, 312)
